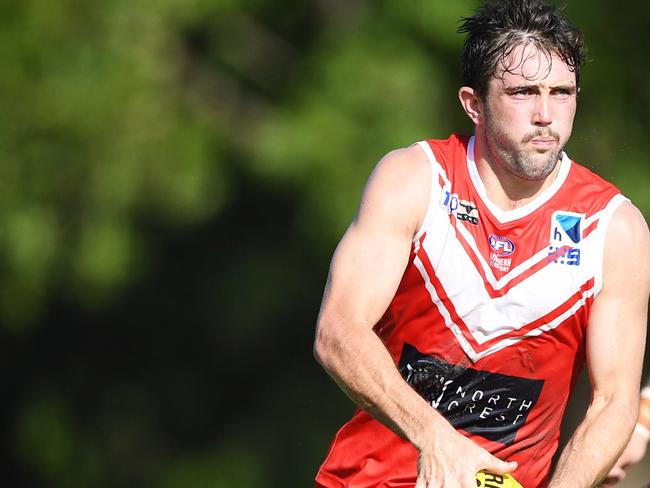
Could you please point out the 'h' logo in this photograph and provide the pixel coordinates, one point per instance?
(566, 224)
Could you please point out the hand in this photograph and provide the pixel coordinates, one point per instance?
(454, 461)
(632, 454)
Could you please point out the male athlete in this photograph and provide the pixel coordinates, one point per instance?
(479, 275)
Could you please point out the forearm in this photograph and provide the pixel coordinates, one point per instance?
(358, 361)
(596, 443)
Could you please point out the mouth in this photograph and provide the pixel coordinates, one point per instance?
(543, 141)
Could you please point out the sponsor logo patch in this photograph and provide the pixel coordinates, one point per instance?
(464, 210)
(492, 405)
(565, 238)
(501, 245)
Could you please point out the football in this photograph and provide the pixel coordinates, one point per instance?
(491, 480)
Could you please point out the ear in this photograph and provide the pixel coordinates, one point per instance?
(471, 104)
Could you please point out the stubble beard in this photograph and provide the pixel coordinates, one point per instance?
(521, 163)
(518, 162)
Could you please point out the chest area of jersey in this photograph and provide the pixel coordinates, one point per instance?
(556, 234)
(495, 283)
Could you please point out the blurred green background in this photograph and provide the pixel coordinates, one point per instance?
(174, 176)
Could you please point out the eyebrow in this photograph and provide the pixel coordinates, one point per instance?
(570, 87)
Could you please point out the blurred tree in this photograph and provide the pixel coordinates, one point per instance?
(174, 176)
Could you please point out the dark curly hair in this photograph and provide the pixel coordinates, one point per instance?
(499, 26)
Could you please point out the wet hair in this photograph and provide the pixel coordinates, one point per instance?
(500, 26)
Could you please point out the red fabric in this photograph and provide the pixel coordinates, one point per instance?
(365, 453)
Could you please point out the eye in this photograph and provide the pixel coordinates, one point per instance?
(522, 92)
(562, 92)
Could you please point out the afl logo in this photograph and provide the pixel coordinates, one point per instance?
(501, 245)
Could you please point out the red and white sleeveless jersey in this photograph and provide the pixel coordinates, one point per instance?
(489, 320)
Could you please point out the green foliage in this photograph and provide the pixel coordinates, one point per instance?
(353, 108)
(49, 443)
(97, 132)
(174, 176)
(232, 466)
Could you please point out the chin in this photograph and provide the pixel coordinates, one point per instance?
(538, 174)
(533, 177)
(536, 168)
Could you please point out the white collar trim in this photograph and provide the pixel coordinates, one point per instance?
(504, 216)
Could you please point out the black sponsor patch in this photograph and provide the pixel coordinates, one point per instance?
(491, 405)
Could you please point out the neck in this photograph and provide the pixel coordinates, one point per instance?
(506, 190)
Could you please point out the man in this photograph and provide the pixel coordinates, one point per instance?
(478, 276)
(637, 445)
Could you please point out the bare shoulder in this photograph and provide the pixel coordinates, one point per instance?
(628, 224)
(399, 187)
(402, 169)
(628, 231)
(410, 158)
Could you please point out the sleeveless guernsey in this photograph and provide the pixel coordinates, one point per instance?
(489, 320)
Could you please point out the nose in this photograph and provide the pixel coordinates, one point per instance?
(541, 111)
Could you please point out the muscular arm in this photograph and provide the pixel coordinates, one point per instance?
(615, 346)
(365, 272)
(637, 445)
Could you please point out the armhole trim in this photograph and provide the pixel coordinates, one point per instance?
(606, 217)
(434, 193)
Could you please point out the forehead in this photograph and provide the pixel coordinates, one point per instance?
(526, 64)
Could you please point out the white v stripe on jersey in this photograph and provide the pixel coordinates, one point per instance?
(541, 255)
(486, 313)
(475, 353)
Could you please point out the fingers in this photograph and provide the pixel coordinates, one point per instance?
(616, 474)
(464, 481)
(469, 482)
(420, 483)
(495, 465)
(438, 469)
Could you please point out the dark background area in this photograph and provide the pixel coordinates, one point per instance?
(174, 177)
